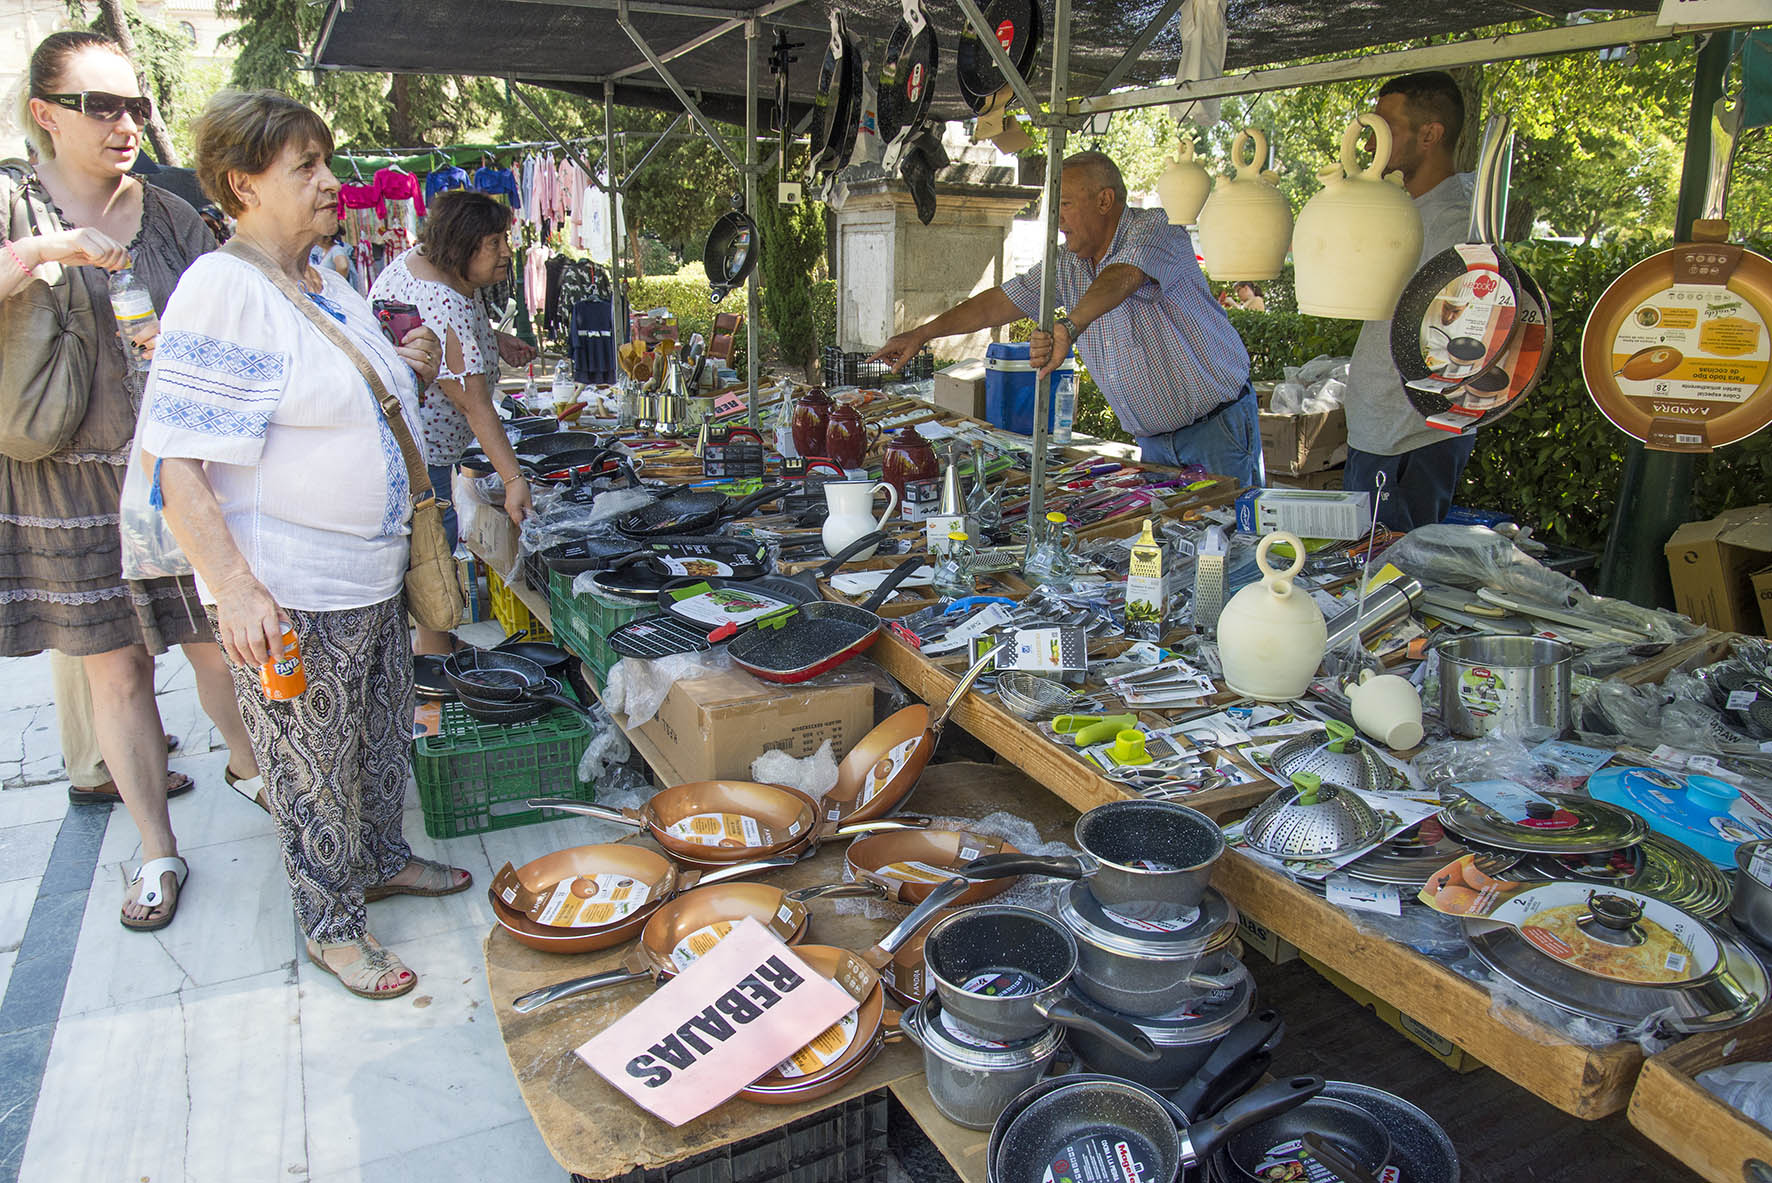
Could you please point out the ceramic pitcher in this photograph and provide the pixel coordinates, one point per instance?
(851, 505)
(1387, 707)
(908, 457)
(1359, 240)
(1184, 185)
(1246, 224)
(847, 436)
(1271, 635)
(812, 411)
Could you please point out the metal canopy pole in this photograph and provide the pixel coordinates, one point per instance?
(1655, 490)
(987, 37)
(618, 303)
(511, 85)
(670, 80)
(1055, 137)
(752, 30)
(663, 139)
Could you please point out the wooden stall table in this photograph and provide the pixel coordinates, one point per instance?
(596, 1132)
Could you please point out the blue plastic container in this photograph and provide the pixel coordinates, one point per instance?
(1009, 387)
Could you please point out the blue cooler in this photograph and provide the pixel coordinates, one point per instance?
(1009, 387)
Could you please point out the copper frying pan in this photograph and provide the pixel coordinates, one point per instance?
(711, 823)
(907, 866)
(681, 930)
(879, 773)
(843, 1049)
(663, 879)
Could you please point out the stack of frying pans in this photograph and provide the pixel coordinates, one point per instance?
(1471, 336)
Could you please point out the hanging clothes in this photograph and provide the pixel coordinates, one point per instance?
(402, 205)
(591, 341)
(535, 280)
(444, 179)
(552, 317)
(498, 182)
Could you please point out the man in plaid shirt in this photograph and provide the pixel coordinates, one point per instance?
(1142, 320)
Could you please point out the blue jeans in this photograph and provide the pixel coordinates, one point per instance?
(442, 481)
(1418, 485)
(1227, 442)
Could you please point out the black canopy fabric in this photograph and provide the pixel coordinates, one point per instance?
(569, 46)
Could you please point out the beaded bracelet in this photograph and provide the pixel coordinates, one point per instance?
(15, 257)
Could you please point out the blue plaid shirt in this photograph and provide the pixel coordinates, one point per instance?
(1167, 356)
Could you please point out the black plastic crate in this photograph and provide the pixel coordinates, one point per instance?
(853, 369)
(843, 1144)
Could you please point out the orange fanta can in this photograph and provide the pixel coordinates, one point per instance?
(283, 677)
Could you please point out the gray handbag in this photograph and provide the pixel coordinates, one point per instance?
(48, 339)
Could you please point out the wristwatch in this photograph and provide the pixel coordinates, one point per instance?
(1070, 326)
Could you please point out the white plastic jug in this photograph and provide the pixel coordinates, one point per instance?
(1184, 185)
(1271, 635)
(1359, 240)
(851, 505)
(1246, 224)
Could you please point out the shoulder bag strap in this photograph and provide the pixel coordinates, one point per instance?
(416, 472)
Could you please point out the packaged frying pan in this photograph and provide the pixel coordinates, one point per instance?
(907, 79)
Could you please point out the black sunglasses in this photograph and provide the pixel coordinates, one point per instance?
(104, 106)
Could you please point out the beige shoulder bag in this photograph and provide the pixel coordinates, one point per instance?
(48, 341)
(433, 592)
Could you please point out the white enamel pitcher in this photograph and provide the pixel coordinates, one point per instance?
(851, 505)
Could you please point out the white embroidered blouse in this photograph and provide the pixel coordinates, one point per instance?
(308, 475)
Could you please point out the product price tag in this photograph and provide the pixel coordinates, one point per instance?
(1506, 797)
(1344, 891)
(1740, 700)
(736, 1012)
(1706, 764)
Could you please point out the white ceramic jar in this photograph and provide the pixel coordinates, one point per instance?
(851, 505)
(1271, 636)
(1246, 225)
(1358, 240)
(1184, 185)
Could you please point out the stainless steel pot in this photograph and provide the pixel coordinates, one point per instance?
(1005, 973)
(1514, 684)
(1751, 905)
(1184, 1038)
(971, 1078)
(1145, 859)
(1145, 967)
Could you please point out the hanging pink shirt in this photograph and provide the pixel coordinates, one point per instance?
(394, 185)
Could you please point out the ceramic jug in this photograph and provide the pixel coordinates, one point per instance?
(851, 505)
(908, 457)
(1184, 185)
(847, 436)
(1359, 240)
(812, 411)
(1271, 635)
(1387, 707)
(1246, 224)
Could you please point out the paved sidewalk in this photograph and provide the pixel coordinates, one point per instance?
(213, 1051)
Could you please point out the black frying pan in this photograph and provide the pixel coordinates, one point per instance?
(1017, 25)
(428, 680)
(691, 511)
(731, 252)
(1351, 1129)
(645, 572)
(907, 74)
(486, 678)
(815, 638)
(551, 658)
(1091, 1130)
(839, 90)
(491, 710)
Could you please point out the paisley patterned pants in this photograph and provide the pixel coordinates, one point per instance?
(335, 760)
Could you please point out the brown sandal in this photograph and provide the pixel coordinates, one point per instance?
(361, 976)
(434, 879)
(177, 785)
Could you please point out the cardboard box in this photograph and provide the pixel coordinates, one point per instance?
(1266, 941)
(1712, 565)
(1309, 513)
(713, 726)
(1292, 445)
(1412, 1029)
(960, 388)
(1762, 585)
(1328, 478)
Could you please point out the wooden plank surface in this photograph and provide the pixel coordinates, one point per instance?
(1712, 1138)
(594, 1130)
(1585, 1082)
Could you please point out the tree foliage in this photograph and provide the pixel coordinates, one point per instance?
(793, 243)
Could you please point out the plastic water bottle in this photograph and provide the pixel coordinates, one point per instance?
(136, 319)
(1064, 405)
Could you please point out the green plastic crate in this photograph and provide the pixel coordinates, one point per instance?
(474, 777)
(582, 621)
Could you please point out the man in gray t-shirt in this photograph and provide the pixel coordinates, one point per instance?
(1422, 464)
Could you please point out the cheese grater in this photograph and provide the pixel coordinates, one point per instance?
(1209, 559)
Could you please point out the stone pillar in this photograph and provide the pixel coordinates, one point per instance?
(894, 272)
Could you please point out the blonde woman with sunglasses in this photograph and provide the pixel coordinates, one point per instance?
(61, 581)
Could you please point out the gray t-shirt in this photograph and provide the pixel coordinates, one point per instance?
(1380, 419)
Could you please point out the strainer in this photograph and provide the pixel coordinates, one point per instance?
(1312, 820)
(1031, 697)
(1336, 755)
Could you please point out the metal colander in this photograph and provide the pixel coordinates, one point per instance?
(1285, 827)
(1357, 764)
(1031, 697)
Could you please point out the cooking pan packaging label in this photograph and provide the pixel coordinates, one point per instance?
(824, 1051)
(723, 605)
(1103, 1158)
(731, 830)
(725, 1021)
(1291, 1160)
(1470, 321)
(1002, 984)
(583, 901)
(913, 871)
(702, 941)
(884, 769)
(693, 566)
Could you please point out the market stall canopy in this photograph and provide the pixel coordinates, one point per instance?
(576, 46)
